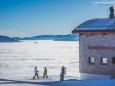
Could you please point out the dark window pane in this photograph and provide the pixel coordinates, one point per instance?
(113, 60)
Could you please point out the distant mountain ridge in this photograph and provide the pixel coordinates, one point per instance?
(68, 37)
(7, 39)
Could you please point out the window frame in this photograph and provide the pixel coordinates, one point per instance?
(112, 60)
(102, 60)
(91, 60)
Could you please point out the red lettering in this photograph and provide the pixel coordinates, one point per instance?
(101, 47)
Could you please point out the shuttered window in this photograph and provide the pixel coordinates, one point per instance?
(104, 60)
(91, 60)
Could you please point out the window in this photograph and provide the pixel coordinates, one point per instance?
(113, 60)
(91, 60)
(104, 60)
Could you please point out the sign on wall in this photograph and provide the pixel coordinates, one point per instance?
(101, 47)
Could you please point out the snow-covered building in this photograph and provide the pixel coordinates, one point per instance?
(97, 47)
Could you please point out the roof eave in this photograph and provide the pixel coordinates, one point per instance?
(93, 31)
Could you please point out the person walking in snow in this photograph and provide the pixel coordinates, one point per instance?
(45, 73)
(36, 73)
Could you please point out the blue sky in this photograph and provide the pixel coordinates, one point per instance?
(38, 17)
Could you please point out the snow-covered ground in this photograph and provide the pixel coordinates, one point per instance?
(7, 82)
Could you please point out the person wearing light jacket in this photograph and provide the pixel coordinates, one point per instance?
(36, 73)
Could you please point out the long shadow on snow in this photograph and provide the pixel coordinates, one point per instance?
(7, 81)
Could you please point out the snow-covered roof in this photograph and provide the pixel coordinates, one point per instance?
(97, 25)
